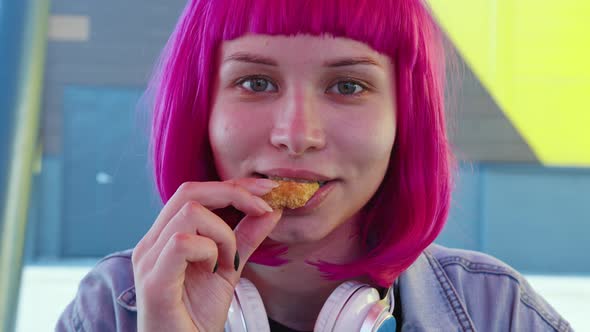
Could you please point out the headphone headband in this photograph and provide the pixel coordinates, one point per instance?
(351, 306)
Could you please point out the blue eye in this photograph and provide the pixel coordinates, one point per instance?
(257, 84)
(347, 88)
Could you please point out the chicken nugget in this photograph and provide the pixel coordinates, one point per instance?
(291, 194)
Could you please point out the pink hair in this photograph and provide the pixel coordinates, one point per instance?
(410, 208)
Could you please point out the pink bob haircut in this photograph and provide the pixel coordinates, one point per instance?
(411, 206)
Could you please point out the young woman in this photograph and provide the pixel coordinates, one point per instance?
(345, 93)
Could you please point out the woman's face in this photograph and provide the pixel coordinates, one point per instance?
(305, 107)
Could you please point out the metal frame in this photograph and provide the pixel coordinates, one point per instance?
(23, 151)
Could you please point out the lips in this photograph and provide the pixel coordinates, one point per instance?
(315, 202)
(303, 176)
(321, 183)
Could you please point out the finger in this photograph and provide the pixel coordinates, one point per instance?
(181, 249)
(213, 195)
(256, 186)
(194, 218)
(251, 231)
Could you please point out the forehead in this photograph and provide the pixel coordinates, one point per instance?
(301, 48)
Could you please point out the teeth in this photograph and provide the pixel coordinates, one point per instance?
(289, 179)
(295, 180)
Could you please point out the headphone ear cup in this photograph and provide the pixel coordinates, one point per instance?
(246, 313)
(379, 318)
(346, 308)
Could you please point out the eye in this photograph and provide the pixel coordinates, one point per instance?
(347, 88)
(257, 84)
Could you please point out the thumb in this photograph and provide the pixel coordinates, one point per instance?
(252, 231)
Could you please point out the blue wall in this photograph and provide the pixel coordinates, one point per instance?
(536, 219)
(96, 197)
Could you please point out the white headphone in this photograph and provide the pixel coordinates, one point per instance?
(352, 306)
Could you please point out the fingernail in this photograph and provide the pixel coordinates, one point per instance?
(236, 261)
(215, 267)
(266, 183)
(262, 204)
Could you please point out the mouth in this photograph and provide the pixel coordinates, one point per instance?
(322, 181)
(292, 198)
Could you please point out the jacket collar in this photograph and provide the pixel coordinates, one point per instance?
(428, 299)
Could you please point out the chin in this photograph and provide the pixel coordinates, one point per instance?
(294, 230)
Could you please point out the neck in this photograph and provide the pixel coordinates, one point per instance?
(294, 293)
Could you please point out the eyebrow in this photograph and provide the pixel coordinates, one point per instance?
(251, 58)
(352, 62)
(258, 59)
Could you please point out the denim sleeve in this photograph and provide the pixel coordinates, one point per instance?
(498, 298)
(95, 308)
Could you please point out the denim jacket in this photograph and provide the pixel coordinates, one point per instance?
(443, 290)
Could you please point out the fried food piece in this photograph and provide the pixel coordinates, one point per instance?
(290, 194)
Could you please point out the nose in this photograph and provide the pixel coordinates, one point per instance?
(298, 126)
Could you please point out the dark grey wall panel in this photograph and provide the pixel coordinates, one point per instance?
(478, 128)
(493, 152)
(125, 40)
(70, 7)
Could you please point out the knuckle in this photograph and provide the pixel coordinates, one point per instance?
(139, 268)
(233, 185)
(135, 256)
(208, 249)
(211, 246)
(237, 191)
(178, 241)
(228, 233)
(140, 248)
(138, 263)
(207, 244)
(191, 208)
(186, 187)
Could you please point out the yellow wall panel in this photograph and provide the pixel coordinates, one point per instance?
(557, 123)
(470, 32)
(534, 58)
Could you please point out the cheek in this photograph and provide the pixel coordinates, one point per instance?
(232, 138)
(369, 141)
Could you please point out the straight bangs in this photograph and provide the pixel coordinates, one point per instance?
(410, 207)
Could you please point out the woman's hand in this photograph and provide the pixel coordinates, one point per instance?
(176, 286)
